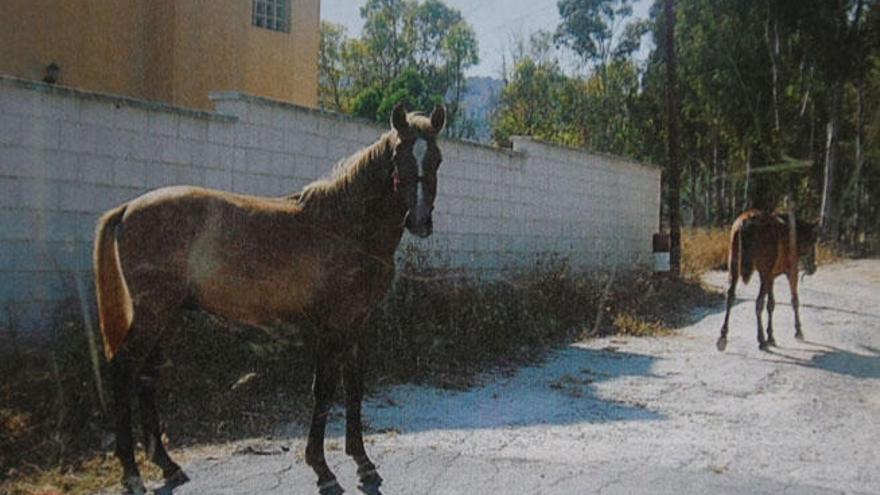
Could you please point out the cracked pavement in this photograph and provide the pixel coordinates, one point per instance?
(667, 415)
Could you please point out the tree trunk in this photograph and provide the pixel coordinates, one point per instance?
(695, 195)
(748, 177)
(731, 208)
(707, 200)
(672, 141)
(772, 40)
(719, 185)
(854, 190)
(855, 185)
(829, 221)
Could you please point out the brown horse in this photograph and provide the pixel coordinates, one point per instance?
(771, 243)
(325, 254)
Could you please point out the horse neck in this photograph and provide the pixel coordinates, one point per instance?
(359, 203)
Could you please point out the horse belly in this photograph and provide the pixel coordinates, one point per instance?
(260, 299)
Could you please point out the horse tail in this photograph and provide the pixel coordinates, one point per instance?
(746, 248)
(733, 258)
(739, 260)
(114, 302)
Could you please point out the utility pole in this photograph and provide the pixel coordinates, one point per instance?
(673, 169)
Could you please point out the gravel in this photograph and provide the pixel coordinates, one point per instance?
(667, 415)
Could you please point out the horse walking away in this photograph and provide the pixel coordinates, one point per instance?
(325, 254)
(773, 244)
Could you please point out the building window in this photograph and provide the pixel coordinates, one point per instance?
(272, 14)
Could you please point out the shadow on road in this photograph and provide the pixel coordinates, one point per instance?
(833, 359)
(560, 392)
(849, 363)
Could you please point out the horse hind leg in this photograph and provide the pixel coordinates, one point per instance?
(721, 344)
(771, 305)
(121, 369)
(759, 309)
(795, 305)
(151, 311)
(146, 386)
(353, 380)
(326, 378)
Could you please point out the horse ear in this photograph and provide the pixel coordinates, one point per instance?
(398, 118)
(438, 118)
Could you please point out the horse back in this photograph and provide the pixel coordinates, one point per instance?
(255, 260)
(239, 256)
(761, 242)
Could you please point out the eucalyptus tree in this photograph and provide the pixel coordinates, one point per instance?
(603, 35)
(402, 41)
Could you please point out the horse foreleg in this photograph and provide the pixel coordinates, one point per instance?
(326, 377)
(122, 384)
(146, 385)
(353, 380)
(759, 308)
(795, 304)
(721, 344)
(771, 304)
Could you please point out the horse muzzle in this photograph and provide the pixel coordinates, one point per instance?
(419, 225)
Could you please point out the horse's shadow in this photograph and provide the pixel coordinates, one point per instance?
(835, 360)
(844, 362)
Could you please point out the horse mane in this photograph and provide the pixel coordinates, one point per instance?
(356, 176)
(350, 177)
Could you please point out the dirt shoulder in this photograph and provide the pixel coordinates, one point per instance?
(630, 415)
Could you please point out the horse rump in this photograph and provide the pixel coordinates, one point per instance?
(743, 244)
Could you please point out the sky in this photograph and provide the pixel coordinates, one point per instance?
(494, 21)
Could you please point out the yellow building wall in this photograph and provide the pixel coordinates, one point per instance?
(210, 49)
(290, 66)
(160, 46)
(176, 51)
(97, 43)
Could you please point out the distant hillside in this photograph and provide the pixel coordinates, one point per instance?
(478, 104)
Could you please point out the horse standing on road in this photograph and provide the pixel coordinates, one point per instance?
(772, 244)
(325, 254)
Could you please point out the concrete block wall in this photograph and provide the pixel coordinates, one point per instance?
(67, 155)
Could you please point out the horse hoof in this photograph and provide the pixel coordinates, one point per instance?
(764, 346)
(721, 344)
(176, 479)
(370, 488)
(370, 476)
(133, 485)
(771, 343)
(799, 336)
(330, 488)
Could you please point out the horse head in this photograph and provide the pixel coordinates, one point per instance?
(807, 238)
(415, 161)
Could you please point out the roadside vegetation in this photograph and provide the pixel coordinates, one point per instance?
(224, 382)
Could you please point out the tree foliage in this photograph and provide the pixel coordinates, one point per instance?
(598, 31)
(416, 51)
(778, 99)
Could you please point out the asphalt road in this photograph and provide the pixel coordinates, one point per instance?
(654, 416)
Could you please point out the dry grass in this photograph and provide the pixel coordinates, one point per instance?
(636, 326)
(827, 254)
(703, 249)
(224, 382)
(86, 478)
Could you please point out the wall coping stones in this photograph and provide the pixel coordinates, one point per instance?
(128, 101)
(219, 96)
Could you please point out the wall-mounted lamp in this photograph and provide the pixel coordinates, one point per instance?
(53, 71)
